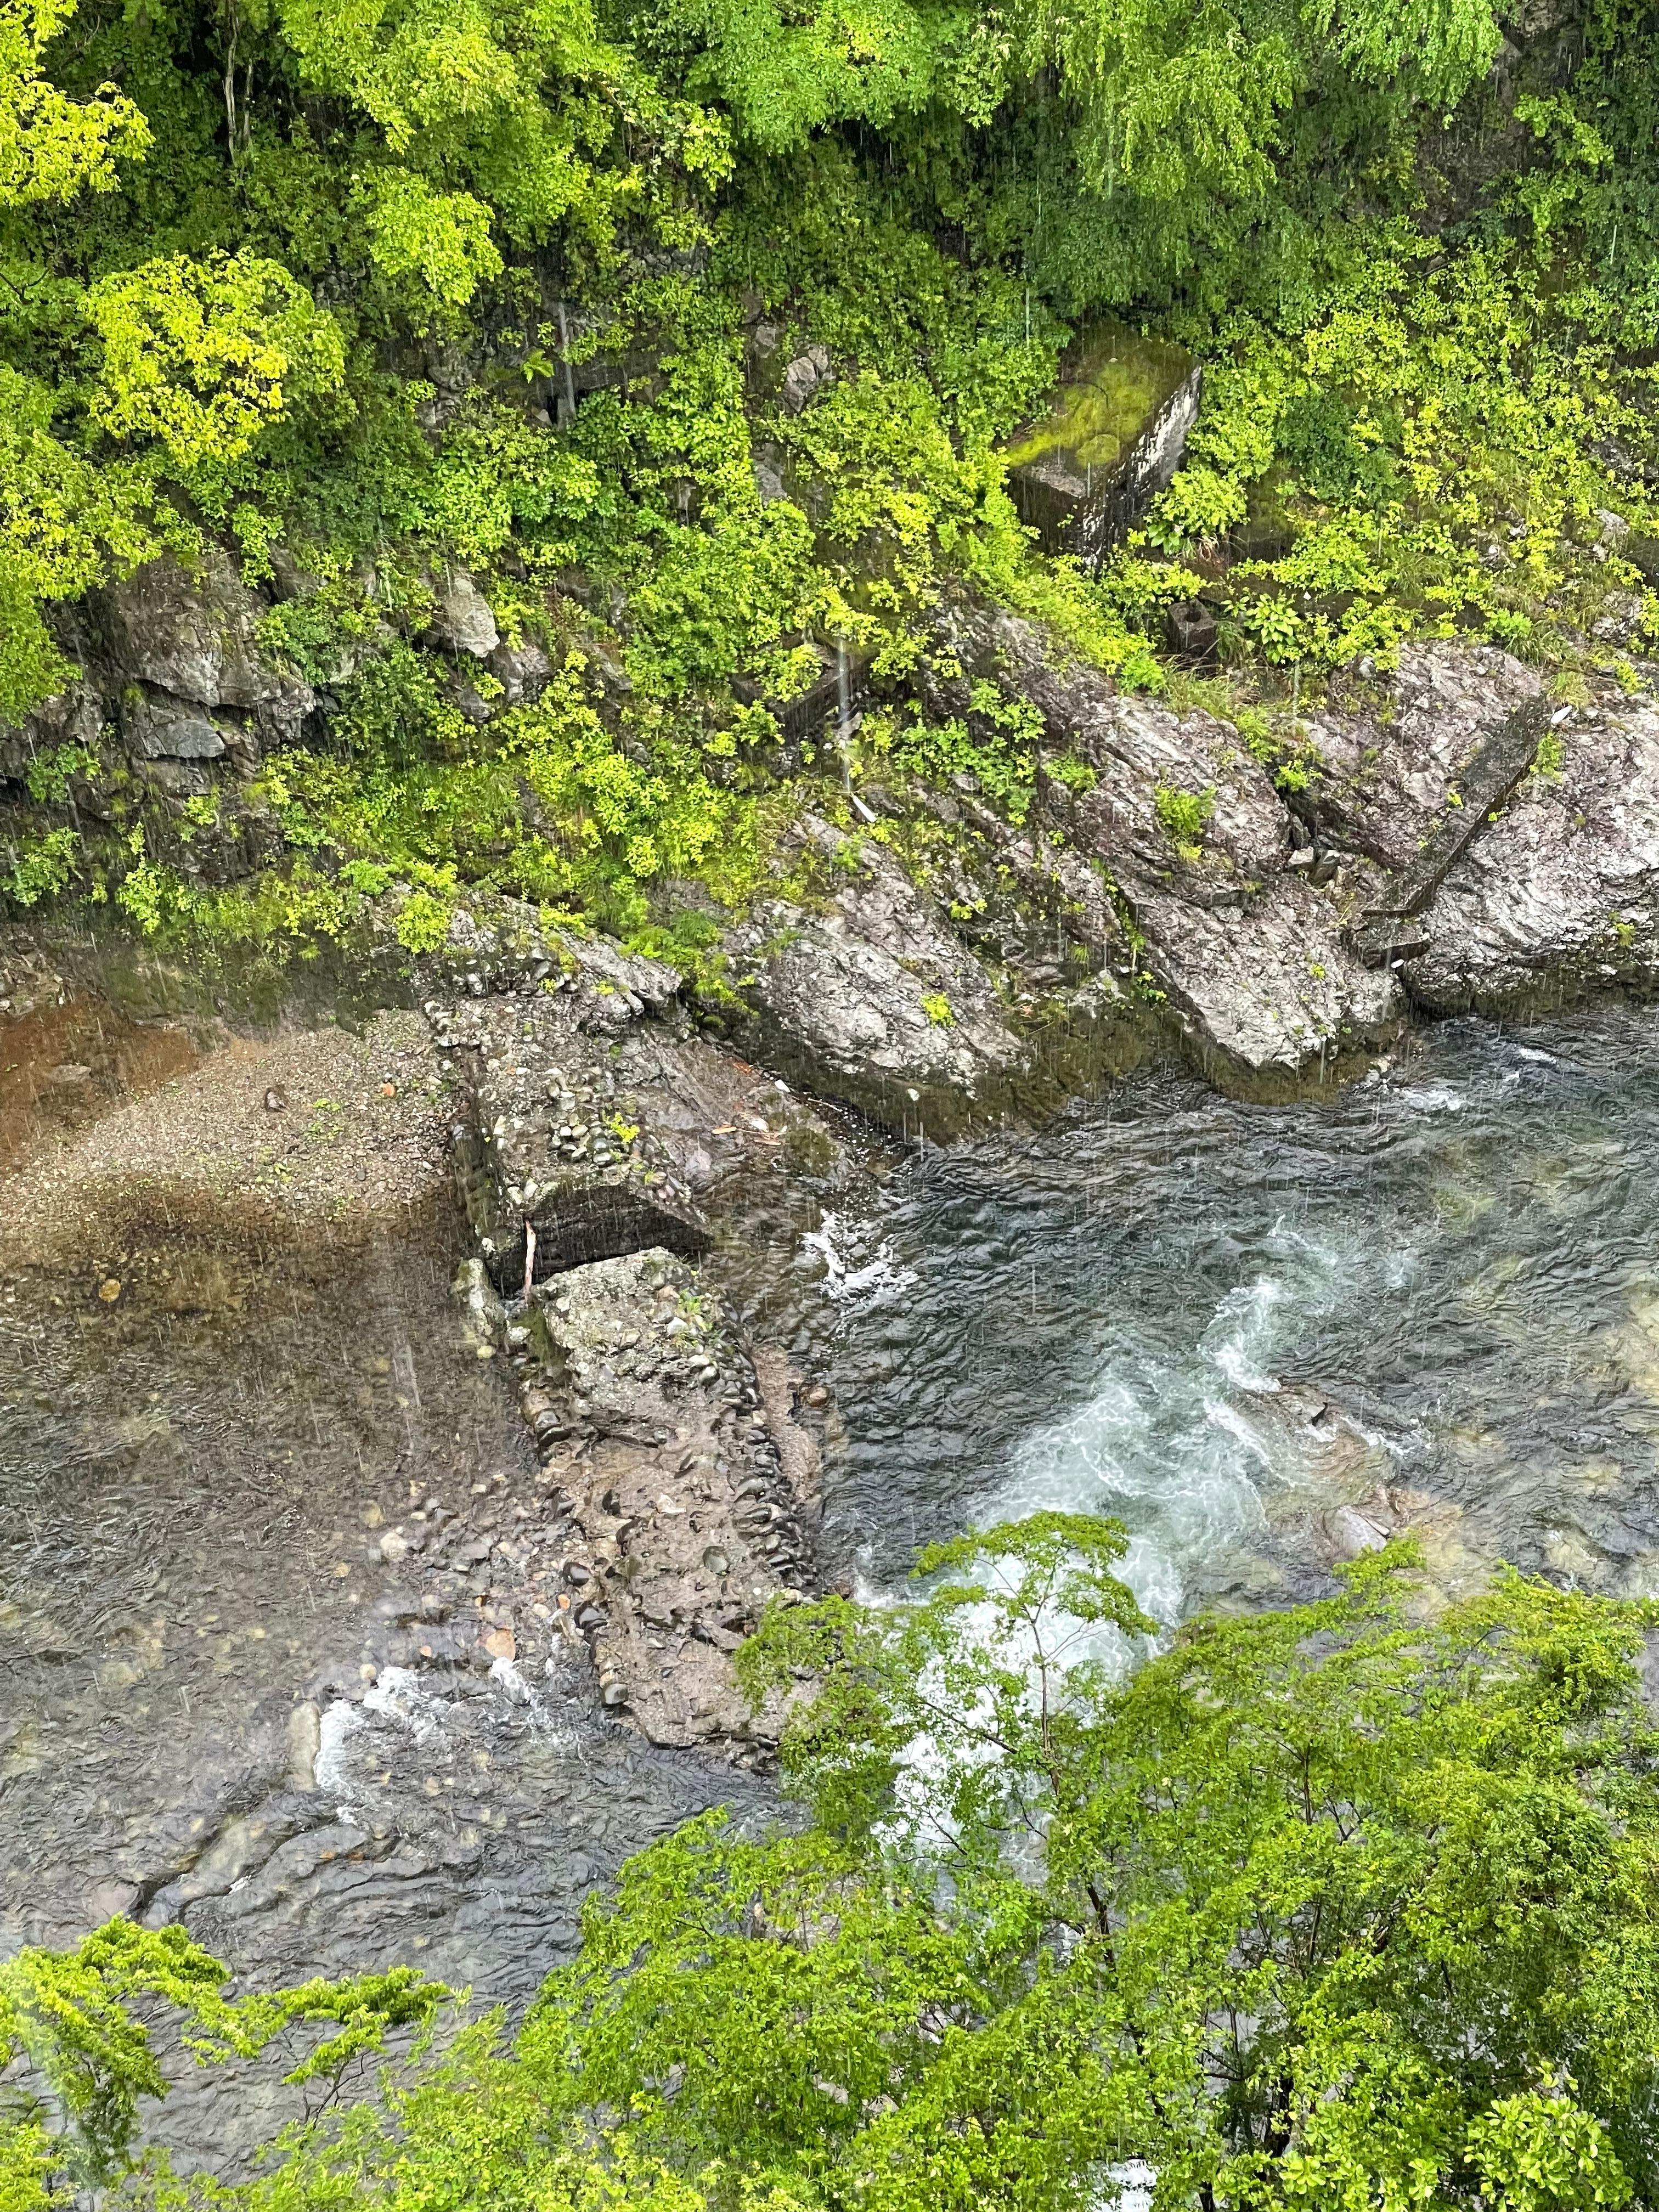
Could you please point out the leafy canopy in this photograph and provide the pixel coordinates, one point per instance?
(1354, 1905)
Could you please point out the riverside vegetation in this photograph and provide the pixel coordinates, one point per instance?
(316, 283)
(1351, 1905)
(1331, 1906)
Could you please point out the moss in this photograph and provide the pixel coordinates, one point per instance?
(1113, 384)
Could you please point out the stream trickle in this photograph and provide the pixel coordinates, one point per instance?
(1262, 1336)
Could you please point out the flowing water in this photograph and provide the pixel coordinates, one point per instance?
(187, 1548)
(1434, 1299)
(1261, 1336)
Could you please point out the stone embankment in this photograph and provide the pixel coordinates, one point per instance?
(604, 1144)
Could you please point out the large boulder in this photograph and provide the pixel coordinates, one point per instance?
(1254, 962)
(554, 1143)
(191, 634)
(461, 619)
(594, 1114)
(867, 995)
(1560, 895)
(1556, 891)
(1385, 775)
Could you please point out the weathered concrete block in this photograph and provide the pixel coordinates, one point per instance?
(1089, 468)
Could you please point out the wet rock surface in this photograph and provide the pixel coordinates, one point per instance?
(1560, 895)
(594, 1114)
(870, 999)
(555, 1145)
(1384, 777)
(640, 1388)
(603, 1140)
(1019, 961)
(1422, 863)
(188, 639)
(1252, 959)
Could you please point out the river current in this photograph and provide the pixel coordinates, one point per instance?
(1261, 1336)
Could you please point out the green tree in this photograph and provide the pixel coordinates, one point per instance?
(1343, 1905)
(203, 356)
(1352, 1905)
(68, 2014)
(52, 146)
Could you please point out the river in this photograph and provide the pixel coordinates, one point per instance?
(1261, 1336)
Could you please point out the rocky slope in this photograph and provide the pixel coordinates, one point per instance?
(1024, 957)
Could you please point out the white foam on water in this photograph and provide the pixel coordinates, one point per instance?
(401, 1700)
(520, 1691)
(341, 1721)
(856, 1273)
(399, 1694)
(1431, 1097)
(1163, 1443)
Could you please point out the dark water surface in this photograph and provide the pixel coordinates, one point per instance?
(188, 1507)
(1137, 1311)
(1434, 1299)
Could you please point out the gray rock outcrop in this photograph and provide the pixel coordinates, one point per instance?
(461, 620)
(869, 997)
(594, 1114)
(1385, 776)
(173, 639)
(593, 1117)
(1254, 960)
(1560, 893)
(685, 1525)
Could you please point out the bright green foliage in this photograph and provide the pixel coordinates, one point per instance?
(203, 356)
(69, 2013)
(339, 307)
(64, 524)
(1182, 815)
(1432, 443)
(1323, 1907)
(1354, 1905)
(52, 147)
(42, 866)
(1537, 2151)
(436, 242)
